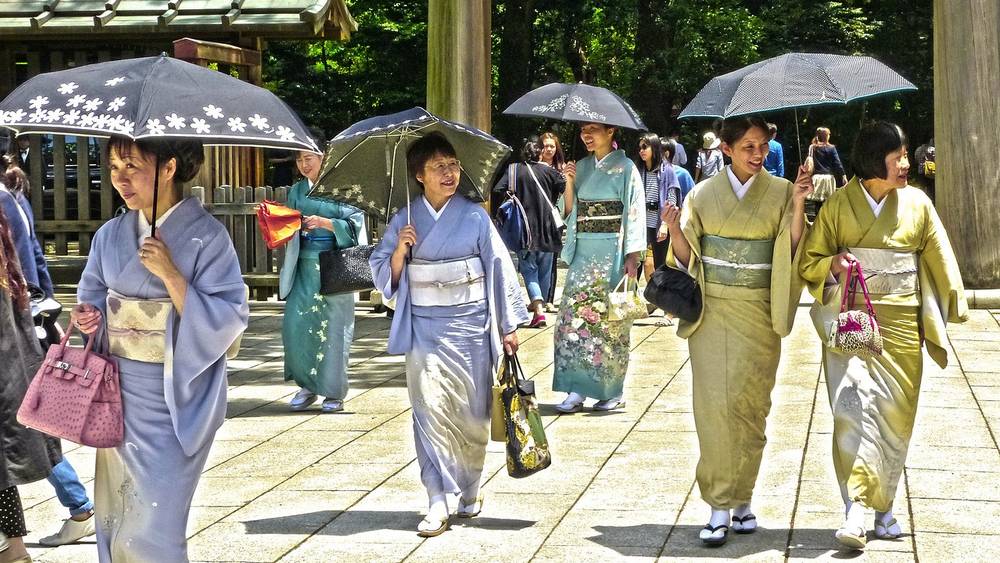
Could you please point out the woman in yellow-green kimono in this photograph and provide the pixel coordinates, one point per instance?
(738, 237)
(893, 231)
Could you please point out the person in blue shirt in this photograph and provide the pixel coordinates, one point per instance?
(684, 178)
(775, 160)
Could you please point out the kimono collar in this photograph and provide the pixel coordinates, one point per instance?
(430, 208)
(144, 226)
(876, 206)
(611, 163)
(739, 188)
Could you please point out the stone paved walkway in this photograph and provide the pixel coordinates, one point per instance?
(298, 487)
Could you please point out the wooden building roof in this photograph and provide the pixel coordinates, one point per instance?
(273, 19)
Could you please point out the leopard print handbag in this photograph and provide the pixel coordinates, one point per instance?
(858, 333)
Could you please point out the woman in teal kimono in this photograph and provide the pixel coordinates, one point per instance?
(317, 330)
(605, 234)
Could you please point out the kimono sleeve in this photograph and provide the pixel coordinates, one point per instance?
(504, 291)
(942, 294)
(215, 313)
(381, 258)
(939, 260)
(820, 247)
(635, 226)
(93, 288)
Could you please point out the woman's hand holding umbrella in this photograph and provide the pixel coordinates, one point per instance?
(155, 256)
(803, 185)
(407, 238)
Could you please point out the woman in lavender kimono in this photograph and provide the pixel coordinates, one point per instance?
(171, 306)
(317, 330)
(458, 305)
(605, 233)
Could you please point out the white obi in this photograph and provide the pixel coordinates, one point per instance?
(888, 271)
(446, 282)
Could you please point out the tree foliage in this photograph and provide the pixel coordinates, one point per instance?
(655, 53)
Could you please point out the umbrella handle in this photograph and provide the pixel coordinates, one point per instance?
(156, 191)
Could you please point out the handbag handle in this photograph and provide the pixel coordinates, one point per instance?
(624, 281)
(514, 372)
(856, 276)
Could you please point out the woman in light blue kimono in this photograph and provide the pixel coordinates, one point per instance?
(605, 234)
(169, 307)
(317, 330)
(458, 305)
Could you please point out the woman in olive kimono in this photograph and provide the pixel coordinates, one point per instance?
(458, 305)
(317, 330)
(739, 237)
(169, 307)
(605, 234)
(892, 230)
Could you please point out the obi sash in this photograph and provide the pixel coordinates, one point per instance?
(137, 328)
(734, 262)
(437, 283)
(599, 216)
(888, 271)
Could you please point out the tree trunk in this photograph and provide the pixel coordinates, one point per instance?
(650, 46)
(966, 114)
(459, 68)
(515, 68)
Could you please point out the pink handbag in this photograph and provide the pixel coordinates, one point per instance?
(75, 396)
(858, 333)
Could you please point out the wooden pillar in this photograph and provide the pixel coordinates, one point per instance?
(966, 114)
(459, 69)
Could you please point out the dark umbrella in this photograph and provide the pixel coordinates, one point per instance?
(154, 97)
(795, 80)
(577, 102)
(365, 164)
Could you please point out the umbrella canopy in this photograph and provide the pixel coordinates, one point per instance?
(794, 80)
(577, 102)
(154, 97)
(365, 165)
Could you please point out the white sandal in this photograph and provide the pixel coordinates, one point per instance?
(853, 537)
(889, 530)
(745, 524)
(469, 509)
(428, 528)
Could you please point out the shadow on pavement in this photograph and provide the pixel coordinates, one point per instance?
(335, 523)
(684, 542)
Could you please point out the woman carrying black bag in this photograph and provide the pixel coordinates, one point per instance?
(537, 186)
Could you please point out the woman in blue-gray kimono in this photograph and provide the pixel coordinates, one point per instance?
(170, 306)
(458, 305)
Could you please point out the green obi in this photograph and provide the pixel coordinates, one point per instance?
(734, 262)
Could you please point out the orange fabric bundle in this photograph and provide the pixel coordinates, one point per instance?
(278, 223)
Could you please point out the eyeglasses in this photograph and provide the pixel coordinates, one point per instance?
(643, 147)
(441, 168)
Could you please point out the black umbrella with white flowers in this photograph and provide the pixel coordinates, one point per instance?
(154, 97)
